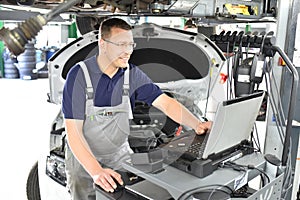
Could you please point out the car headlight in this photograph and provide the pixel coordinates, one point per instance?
(55, 169)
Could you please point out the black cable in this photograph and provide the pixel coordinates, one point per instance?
(258, 143)
(287, 181)
(249, 167)
(262, 180)
(280, 131)
(251, 136)
(239, 167)
(251, 147)
(233, 65)
(262, 43)
(232, 95)
(233, 166)
(203, 189)
(261, 171)
(239, 56)
(252, 139)
(279, 102)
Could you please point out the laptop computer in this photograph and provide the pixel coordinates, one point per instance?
(232, 126)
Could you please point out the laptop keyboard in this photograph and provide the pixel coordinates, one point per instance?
(196, 149)
(187, 146)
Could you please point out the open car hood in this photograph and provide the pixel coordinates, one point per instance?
(182, 63)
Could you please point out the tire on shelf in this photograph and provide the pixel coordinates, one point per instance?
(10, 69)
(27, 63)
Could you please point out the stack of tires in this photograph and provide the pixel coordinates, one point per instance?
(10, 69)
(27, 63)
(41, 64)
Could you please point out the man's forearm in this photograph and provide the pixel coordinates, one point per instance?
(176, 111)
(180, 114)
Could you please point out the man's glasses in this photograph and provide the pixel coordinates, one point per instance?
(122, 44)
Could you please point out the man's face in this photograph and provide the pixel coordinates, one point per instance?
(119, 47)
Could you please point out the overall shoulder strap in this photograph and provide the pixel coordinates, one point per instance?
(126, 94)
(126, 86)
(89, 86)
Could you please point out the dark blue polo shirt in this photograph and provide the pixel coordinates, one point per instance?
(107, 91)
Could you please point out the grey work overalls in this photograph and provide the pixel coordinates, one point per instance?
(106, 130)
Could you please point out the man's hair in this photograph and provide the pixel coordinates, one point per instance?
(107, 25)
(190, 24)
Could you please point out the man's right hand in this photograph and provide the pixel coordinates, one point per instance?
(203, 127)
(105, 179)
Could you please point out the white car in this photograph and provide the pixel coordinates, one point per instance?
(185, 65)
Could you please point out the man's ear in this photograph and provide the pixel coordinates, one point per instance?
(101, 43)
(102, 46)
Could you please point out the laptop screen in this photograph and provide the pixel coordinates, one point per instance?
(233, 122)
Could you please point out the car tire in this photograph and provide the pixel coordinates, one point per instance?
(32, 186)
